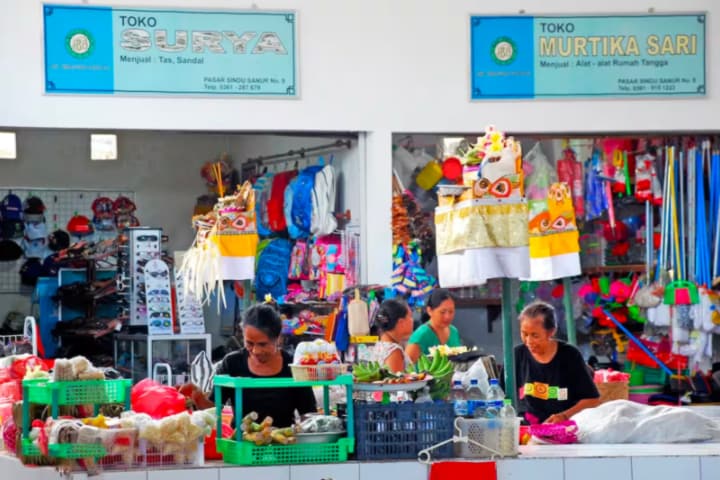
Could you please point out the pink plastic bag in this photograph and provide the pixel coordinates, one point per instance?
(556, 433)
(610, 375)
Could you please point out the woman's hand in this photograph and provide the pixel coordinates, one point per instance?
(557, 418)
(413, 351)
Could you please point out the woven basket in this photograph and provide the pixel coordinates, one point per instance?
(610, 391)
(318, 372)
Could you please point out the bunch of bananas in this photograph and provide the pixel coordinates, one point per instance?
(441, 369)
(366, 372)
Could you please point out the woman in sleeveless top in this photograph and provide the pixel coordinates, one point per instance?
(395, 321)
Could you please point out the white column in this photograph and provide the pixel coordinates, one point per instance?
(377, 202)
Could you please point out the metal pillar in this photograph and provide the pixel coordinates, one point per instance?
(507, 325)
(567, 304)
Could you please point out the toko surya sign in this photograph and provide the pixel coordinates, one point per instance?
(105, 50)
(587, 56)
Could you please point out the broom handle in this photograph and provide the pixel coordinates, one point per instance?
(716, 191)
(663, 216)
(637, 342)
(681, 208)
(692, 226)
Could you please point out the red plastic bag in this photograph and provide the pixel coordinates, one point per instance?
(156, 400)
(10, 391)
(20, 367)
(140, 387)
(211, 452)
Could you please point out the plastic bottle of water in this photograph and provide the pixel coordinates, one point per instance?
(475, 399)
(495, 399)
(508, 411)
(424, 397)
(509, 434)
(459, 399)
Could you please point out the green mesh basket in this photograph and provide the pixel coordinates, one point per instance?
(247, 453)
(81, 392)
(76, 450)
(29, 449)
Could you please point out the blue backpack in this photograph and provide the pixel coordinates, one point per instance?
(272, 269)
(293, 231)
(262, 189)
(302, 201)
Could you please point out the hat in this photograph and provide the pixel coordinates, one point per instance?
(51, 265)
(102, 207)
(35, 248)
(126, 221)
(35, 230)
(11, 207)
(58, 240)
(104, 224)
(30, 271)
(34, 217)
(123, 205)
(34, 204)
(11, 228)
(80, 225)
(9, 251)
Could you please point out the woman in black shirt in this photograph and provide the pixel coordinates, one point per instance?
(262, 357)
(553, 381)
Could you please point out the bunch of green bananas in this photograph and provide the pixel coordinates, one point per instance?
(438, 366)
(441, 369)
(366, 372)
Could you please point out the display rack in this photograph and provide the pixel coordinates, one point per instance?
(144, 244)
(247, 453)
(57, 394)
(60, 205)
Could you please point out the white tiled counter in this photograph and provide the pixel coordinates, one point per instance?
(700, 461)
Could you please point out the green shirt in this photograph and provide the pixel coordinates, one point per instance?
(425, 338)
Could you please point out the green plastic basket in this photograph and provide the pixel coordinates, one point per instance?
(29, 449)
(80, 392)
(76, 450)
(247, 453)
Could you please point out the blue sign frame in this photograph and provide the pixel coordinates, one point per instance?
(587, 56)
(106, 51)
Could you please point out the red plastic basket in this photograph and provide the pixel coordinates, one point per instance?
(671, 360)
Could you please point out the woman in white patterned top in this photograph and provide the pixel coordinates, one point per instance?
(395, 321)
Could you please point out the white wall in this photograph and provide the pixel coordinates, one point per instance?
(365, 65)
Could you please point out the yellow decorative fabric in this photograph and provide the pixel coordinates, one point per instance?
(238, 245)
(554, 244)
(480, 224)
(553, 230)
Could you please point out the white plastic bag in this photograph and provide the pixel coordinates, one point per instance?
(622, 421)
(477, 371)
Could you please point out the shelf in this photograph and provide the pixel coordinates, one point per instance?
(633, 268)
(478, 302)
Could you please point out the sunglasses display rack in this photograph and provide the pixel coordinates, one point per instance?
(158, 298)
(144, 245)
(189, 310)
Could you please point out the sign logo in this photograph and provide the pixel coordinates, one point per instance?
(79, 43)
(503, 51)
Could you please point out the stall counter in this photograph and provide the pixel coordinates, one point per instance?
(699, 461)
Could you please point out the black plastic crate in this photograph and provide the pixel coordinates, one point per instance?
(401, 430)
